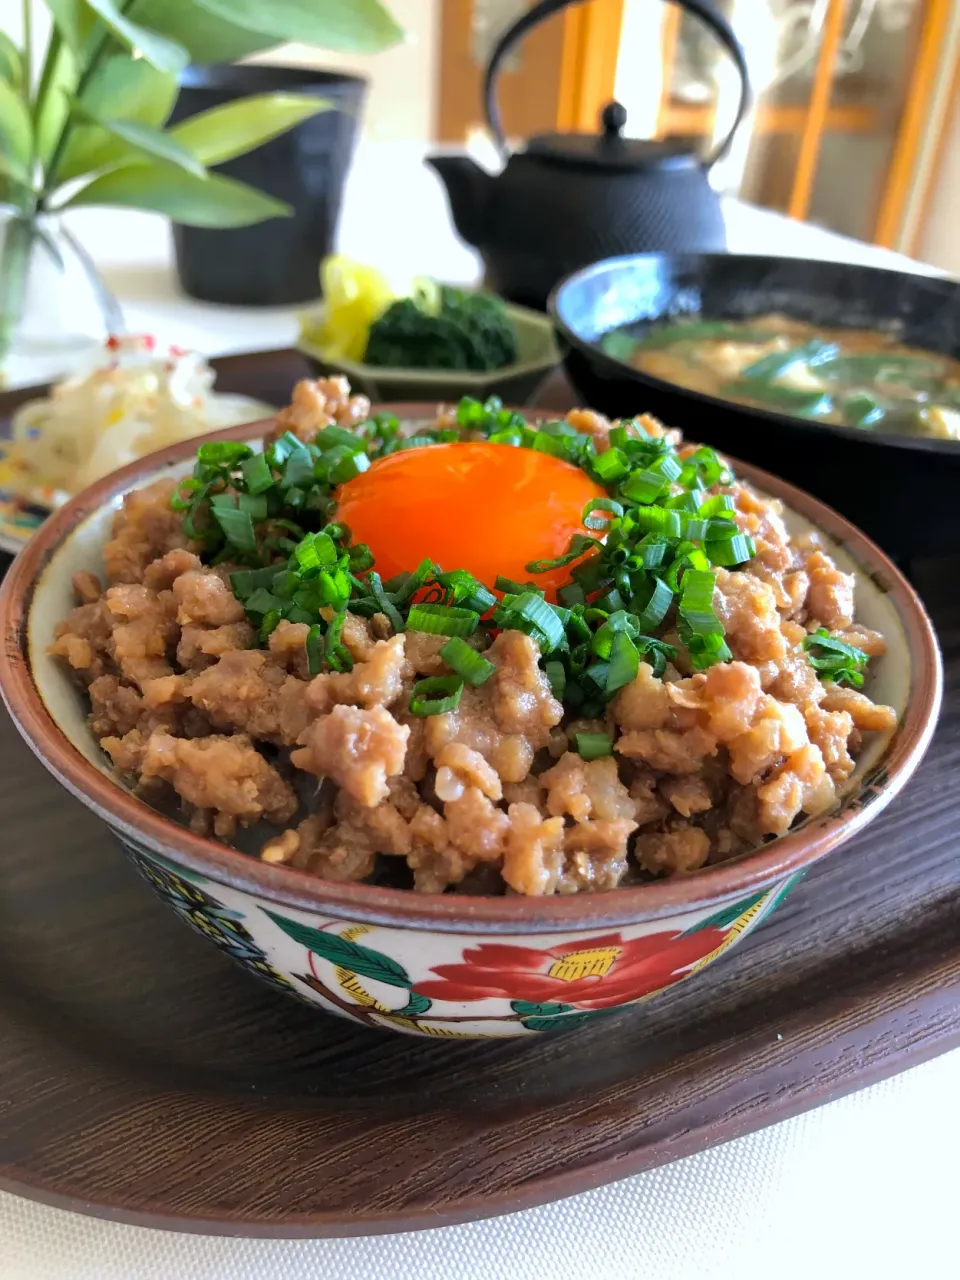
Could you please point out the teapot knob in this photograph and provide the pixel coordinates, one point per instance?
(613, 119)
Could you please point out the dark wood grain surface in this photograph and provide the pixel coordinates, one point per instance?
(144, 1078)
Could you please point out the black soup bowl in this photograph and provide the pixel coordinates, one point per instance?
(904, 491)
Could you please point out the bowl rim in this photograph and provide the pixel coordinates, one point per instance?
(759, 417)
(759, 869)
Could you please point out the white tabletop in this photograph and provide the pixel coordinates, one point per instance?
(864, 1186)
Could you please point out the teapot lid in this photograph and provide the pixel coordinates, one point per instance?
(610, 150)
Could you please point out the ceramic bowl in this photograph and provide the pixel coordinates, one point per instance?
(449, 965)
(890, 470)
(514, 383)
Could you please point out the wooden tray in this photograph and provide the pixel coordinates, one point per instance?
(144, 1078)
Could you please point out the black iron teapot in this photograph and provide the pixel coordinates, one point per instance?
(569, 199)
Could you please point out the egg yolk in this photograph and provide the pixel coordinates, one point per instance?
(488, 508)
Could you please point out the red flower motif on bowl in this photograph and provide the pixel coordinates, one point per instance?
(595, 974)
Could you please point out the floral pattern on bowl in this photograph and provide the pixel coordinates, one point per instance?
(452, 984)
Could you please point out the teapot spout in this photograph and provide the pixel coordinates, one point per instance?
(468, 188)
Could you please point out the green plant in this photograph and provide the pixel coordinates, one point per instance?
(89, 130)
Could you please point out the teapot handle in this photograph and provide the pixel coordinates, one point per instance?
(701, 9)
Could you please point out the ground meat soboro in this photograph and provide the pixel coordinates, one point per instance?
(491, 795)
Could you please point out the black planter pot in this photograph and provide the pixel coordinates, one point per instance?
(273, 263)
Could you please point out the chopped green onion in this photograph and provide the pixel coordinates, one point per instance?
(385, 605)
(298, 471)
(579, 544)
(332, 436)
(404, 586)
(656, 652)
(656, 606)
(557, 676)
(560, 430)
(384, 426)
(471, 413)
(684, 504)
(361, 557)
(650, 552)
(466, 662)
(571, 595)
(333, 588)
(696, 530)
(223, 453)
(315, 551)
(696, 603)
(555, 445)
(290, 527)
(309, 597)
(263, 601)
(186, 494)
(658, 520)
(667, 466)
(294, 614)
(601, 504)
(442, 620)
(509, 436)
(716, 506)
(255, 505)
(597, 673)
(402, 443)
(245, 581)
(842, 663)
(269, 624)
(315, 646)
(464, 589)
(611, 466)
(509, 587)
(644, 486)
(531, 613)
(733, 551)
(706, 650)
(435, 695)
(338, 656)
(577, 627)
(593, 746)
(285, 584)
(256, 474)
(237, 528)
(281, 449)
(624, 662)
(610, 601)
(347, 468)
(705, 463)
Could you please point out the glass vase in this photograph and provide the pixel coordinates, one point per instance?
(55, 309)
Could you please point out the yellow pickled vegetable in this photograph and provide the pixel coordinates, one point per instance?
(354, 297)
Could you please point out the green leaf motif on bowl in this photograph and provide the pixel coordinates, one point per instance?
(361, 961)
(554, 1017)
(206, 915)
